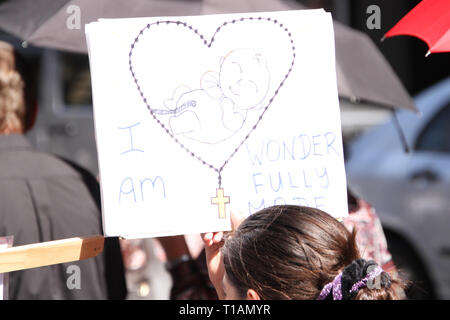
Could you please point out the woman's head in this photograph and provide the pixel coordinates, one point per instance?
(18, 91)
(12, 102)
(291, 252)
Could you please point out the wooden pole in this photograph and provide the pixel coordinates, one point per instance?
(51, 252)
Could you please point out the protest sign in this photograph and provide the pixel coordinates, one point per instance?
(196, 116)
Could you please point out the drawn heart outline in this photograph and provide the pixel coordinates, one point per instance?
(209, 44)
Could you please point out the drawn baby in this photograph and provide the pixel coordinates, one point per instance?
(244, 79)
(219, 109)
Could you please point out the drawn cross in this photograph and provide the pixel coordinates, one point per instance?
(220, 200)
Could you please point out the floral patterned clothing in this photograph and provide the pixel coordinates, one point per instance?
(370, 237)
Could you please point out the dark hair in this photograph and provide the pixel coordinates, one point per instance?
(292, 252)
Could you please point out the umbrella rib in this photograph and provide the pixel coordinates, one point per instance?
(24, 32)
(400, 132)
(63, 7)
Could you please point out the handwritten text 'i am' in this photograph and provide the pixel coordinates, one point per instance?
(135, 189)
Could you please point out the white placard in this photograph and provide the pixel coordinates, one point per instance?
(183, 106)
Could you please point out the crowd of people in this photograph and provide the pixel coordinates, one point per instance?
(281, 252)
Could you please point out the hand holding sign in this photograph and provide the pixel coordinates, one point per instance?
(213, 241)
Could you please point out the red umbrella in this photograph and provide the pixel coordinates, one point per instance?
(428, 21)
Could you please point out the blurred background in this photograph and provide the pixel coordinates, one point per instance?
(410, 191)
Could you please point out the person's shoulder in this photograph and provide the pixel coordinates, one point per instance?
(53, 164)
(32, 163)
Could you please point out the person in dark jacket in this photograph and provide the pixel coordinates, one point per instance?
(44, 198)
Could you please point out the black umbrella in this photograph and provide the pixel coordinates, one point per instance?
(363, 74)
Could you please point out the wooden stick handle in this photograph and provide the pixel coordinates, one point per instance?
(50, 252)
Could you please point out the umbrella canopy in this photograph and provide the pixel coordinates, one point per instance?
(363, 74)
(429, 21)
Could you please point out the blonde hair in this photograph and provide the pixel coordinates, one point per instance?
(12, 101)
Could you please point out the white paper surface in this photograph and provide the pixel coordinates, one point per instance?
(179, 100)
